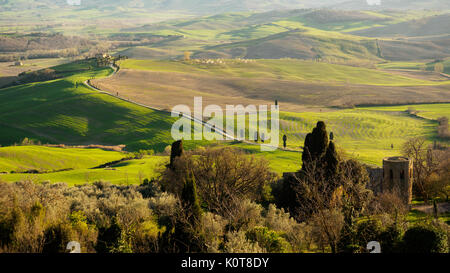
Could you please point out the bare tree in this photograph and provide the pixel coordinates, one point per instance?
(427, 163)
(222, 177)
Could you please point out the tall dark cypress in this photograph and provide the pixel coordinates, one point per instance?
(176, 151)
(316, 144)
(190, 199)
(331, 161)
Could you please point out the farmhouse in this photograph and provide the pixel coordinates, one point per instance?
(102, 56)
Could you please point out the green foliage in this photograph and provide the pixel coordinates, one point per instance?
(425, 239)
(190, 199)
(391, 239)
(270, 240)
(331, 160)
(110, 238)
(354, 238)
(368, 231)
(57, 237)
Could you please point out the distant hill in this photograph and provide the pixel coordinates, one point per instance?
(409, 49)
(434, 25)
(219, 6)
(195, 6)
(393, 4)
(296, 44)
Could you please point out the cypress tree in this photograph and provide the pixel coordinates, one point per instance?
(176, 151)
(306, 155)
(331, 161)
(190, 199)
(187, 236)
(316, 144)
(319, 140)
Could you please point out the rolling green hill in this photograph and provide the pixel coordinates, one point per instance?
(303, 34)
(127, 172)
(366, 135)
(57, 112)
(428, 111)
(298, 44)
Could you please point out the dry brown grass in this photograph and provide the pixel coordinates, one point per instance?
(166, 89)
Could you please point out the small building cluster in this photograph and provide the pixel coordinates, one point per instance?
(222, 61)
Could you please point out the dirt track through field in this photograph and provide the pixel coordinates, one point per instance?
(217, 130)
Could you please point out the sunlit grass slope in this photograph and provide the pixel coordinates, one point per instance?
(363, 134)
(127, 172)
(58, 112)
(40, 158)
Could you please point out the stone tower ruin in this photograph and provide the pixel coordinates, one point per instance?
(398, 177)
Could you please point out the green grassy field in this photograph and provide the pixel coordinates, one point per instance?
(363, 134)
(82, 162)
(23, 158)
(428, 111)
(58, 112)
(128, 172)
(415, 65)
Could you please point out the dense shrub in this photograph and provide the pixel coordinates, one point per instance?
(237, 242)
(425, 239)
(45, 217)
(270, 240)
(368, 231)
(390, 239)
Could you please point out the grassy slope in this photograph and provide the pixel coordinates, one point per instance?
(57, 112)
(128, 172)
(22, 158)
(428, 111)
(277, 34)
(415, 66)
(363, 134)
